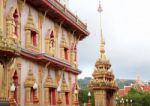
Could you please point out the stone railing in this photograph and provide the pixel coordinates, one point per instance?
(9, 45)
(67, 12)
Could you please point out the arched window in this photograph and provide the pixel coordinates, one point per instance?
(50, 42)
(33, 38)
(75, 53)
(52, 96)
(66, 53)
(16, 21)
(52, 39)
(15, 81)
(12, 23)
(67, 98)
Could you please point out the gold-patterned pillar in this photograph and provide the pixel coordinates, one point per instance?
(40, 77)
(27, 96)
(100, 98)
(1, 15)
(9, 26)
(62, 53)
(47, 45)
(1, 81)
(46, 99)
(56, 29)
(70, 86)
(28, 38)
(63, 98)
(72, 57)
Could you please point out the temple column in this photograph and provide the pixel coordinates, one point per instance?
(1, 16)
(63, 98)
(27, 96)
(28, 38)
(101, 98)
(62, 54)
(46, 100)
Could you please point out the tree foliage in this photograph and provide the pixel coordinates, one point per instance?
(139, 98)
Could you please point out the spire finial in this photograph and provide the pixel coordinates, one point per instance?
(102, 44)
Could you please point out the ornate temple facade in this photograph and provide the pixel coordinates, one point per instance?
(103, 83)
(38, 52)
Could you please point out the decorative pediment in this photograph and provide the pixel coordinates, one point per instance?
(30, 80)
(30, 23)
(64, 86)
(50, 83)
(50, 34)
(63, 43)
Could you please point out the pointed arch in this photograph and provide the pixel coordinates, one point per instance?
(13, 22)
(15, 81)
(50, 42)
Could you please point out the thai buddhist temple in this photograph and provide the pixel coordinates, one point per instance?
(38, 53)
(103, 84)
(138, 85)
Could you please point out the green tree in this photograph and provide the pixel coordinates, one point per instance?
(139, 98)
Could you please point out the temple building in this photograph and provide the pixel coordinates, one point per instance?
(103, 84)
(38, 52)
(138, 85)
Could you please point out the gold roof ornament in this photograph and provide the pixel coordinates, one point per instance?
(64, 86)
(30, 23)
(30, 80)
(63, 43)
(50, 83)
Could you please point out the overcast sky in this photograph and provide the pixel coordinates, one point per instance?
(126, 29)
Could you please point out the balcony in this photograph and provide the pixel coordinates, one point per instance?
(9, 46)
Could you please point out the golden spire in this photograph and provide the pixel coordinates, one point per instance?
(102, 47)
(102, 42)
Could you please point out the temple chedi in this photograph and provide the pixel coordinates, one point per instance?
(103, 83)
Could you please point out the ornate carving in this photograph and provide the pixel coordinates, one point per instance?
(50, 83)
(50, 44)
(29, 29)
(64, 86)
(30, 80)
(103, 82)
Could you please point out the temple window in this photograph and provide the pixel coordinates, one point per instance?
(32, 94)
(66, 53)
(75, 53)
(67, 98)
(16, 20)
(52, 39)
(50, 91)
(15, 81)
(31, 88)
(33, 38)
(52, 96)
(50, 42)
(32, 34)
(63, 48)
(12, 23)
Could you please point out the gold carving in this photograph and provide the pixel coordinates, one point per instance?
(103, 80)
(50, 83)
(29, 27)
(64, 86)
(30, 80)
(50, 44)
